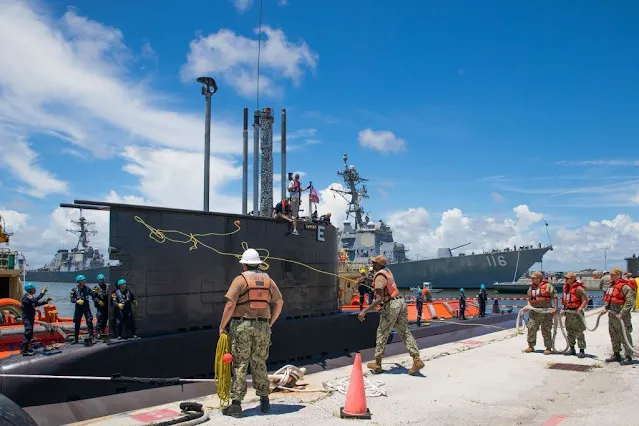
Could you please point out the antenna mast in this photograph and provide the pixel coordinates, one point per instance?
(83, 231)
(351, 178)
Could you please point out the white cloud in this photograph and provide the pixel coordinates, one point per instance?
(22, 162)
(497, 197)
(573, 248)
(233, 59)
(382, 140)
(87, 96)
(242, 5)
(173, 178)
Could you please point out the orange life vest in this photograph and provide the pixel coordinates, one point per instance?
(391, 287)
(259, 290)
(539, 293)
(614, 294)
(570, 300)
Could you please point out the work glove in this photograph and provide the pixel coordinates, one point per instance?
(80, 302)
(47, 300)
(101, 303)
(135, 302)
(45, 289)
(121, 305)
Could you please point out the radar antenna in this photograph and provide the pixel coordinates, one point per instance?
(351, 178)
(82, 232)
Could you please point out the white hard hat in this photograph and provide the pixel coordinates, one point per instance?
(251, 257)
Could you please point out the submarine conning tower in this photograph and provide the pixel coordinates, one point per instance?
(181, 285)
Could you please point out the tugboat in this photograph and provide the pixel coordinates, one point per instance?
(50, 330)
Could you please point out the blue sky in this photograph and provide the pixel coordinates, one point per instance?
(495, 106)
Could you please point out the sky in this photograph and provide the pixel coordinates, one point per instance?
(475, 122)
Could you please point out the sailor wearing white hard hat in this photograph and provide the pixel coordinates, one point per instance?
(253, 304)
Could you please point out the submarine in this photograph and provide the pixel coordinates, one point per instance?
(179, 276)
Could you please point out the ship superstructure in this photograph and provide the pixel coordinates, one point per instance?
(81, 259)
(363, 238)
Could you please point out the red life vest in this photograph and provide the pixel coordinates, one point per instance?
(259, 290)
(391, 287)
(539, 293)
(570, 300)
(614, 294)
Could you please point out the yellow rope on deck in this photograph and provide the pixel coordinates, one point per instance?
(223, 371)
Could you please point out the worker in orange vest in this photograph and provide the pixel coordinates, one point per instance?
(393, 315)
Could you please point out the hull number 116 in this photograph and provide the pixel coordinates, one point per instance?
(494, 261)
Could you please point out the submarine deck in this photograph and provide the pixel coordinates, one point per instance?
(486, 379)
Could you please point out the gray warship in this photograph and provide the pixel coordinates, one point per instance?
(364, 238)
(67, 264)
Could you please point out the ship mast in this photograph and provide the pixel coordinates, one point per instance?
(351, 180)
(83, 231)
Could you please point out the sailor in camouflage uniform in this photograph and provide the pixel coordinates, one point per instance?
(253, 304)
(541, 295)
(394, 314)
(574, 301)
(619, 301)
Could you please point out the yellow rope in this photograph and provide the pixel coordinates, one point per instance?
(223, 371)
(160, 236)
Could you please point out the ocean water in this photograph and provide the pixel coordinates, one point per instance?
(60, 293)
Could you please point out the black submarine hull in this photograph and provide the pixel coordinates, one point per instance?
(179, 272)
(189, 354)
(313, 342)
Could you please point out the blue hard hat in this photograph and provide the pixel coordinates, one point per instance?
(29, 286)
(80, 278)
(101, 277)
(121, 281)
(461, 290)
(483, 287)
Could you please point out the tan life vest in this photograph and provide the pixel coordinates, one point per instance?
(259, 290)
(391, 287)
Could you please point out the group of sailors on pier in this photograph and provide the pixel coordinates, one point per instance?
(118, 301)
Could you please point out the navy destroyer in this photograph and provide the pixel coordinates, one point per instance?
(363, 238)
(67, 264)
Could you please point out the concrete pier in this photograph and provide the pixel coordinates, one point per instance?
(486, 380)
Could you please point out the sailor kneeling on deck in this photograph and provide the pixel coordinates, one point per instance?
(394, 314)
(253, 304)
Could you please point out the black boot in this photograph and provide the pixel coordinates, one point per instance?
(615, 357)
(582, 353)
(626, 361)
(265, 404)
(233, 410)
(571, 351)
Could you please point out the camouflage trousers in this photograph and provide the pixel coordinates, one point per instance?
(616, 336)
(575, 330)
(536, 321)
(250, 344)
(394, 314)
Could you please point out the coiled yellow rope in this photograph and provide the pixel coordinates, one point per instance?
(160, 236)
(223, 371)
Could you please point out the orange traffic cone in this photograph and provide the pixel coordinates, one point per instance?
(355, 406)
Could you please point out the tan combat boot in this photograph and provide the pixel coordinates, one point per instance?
(418, 364)
(375, 366)
(529, 349)
(547, 352)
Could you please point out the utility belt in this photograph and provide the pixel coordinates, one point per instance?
(250, 319)
(392, 298)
